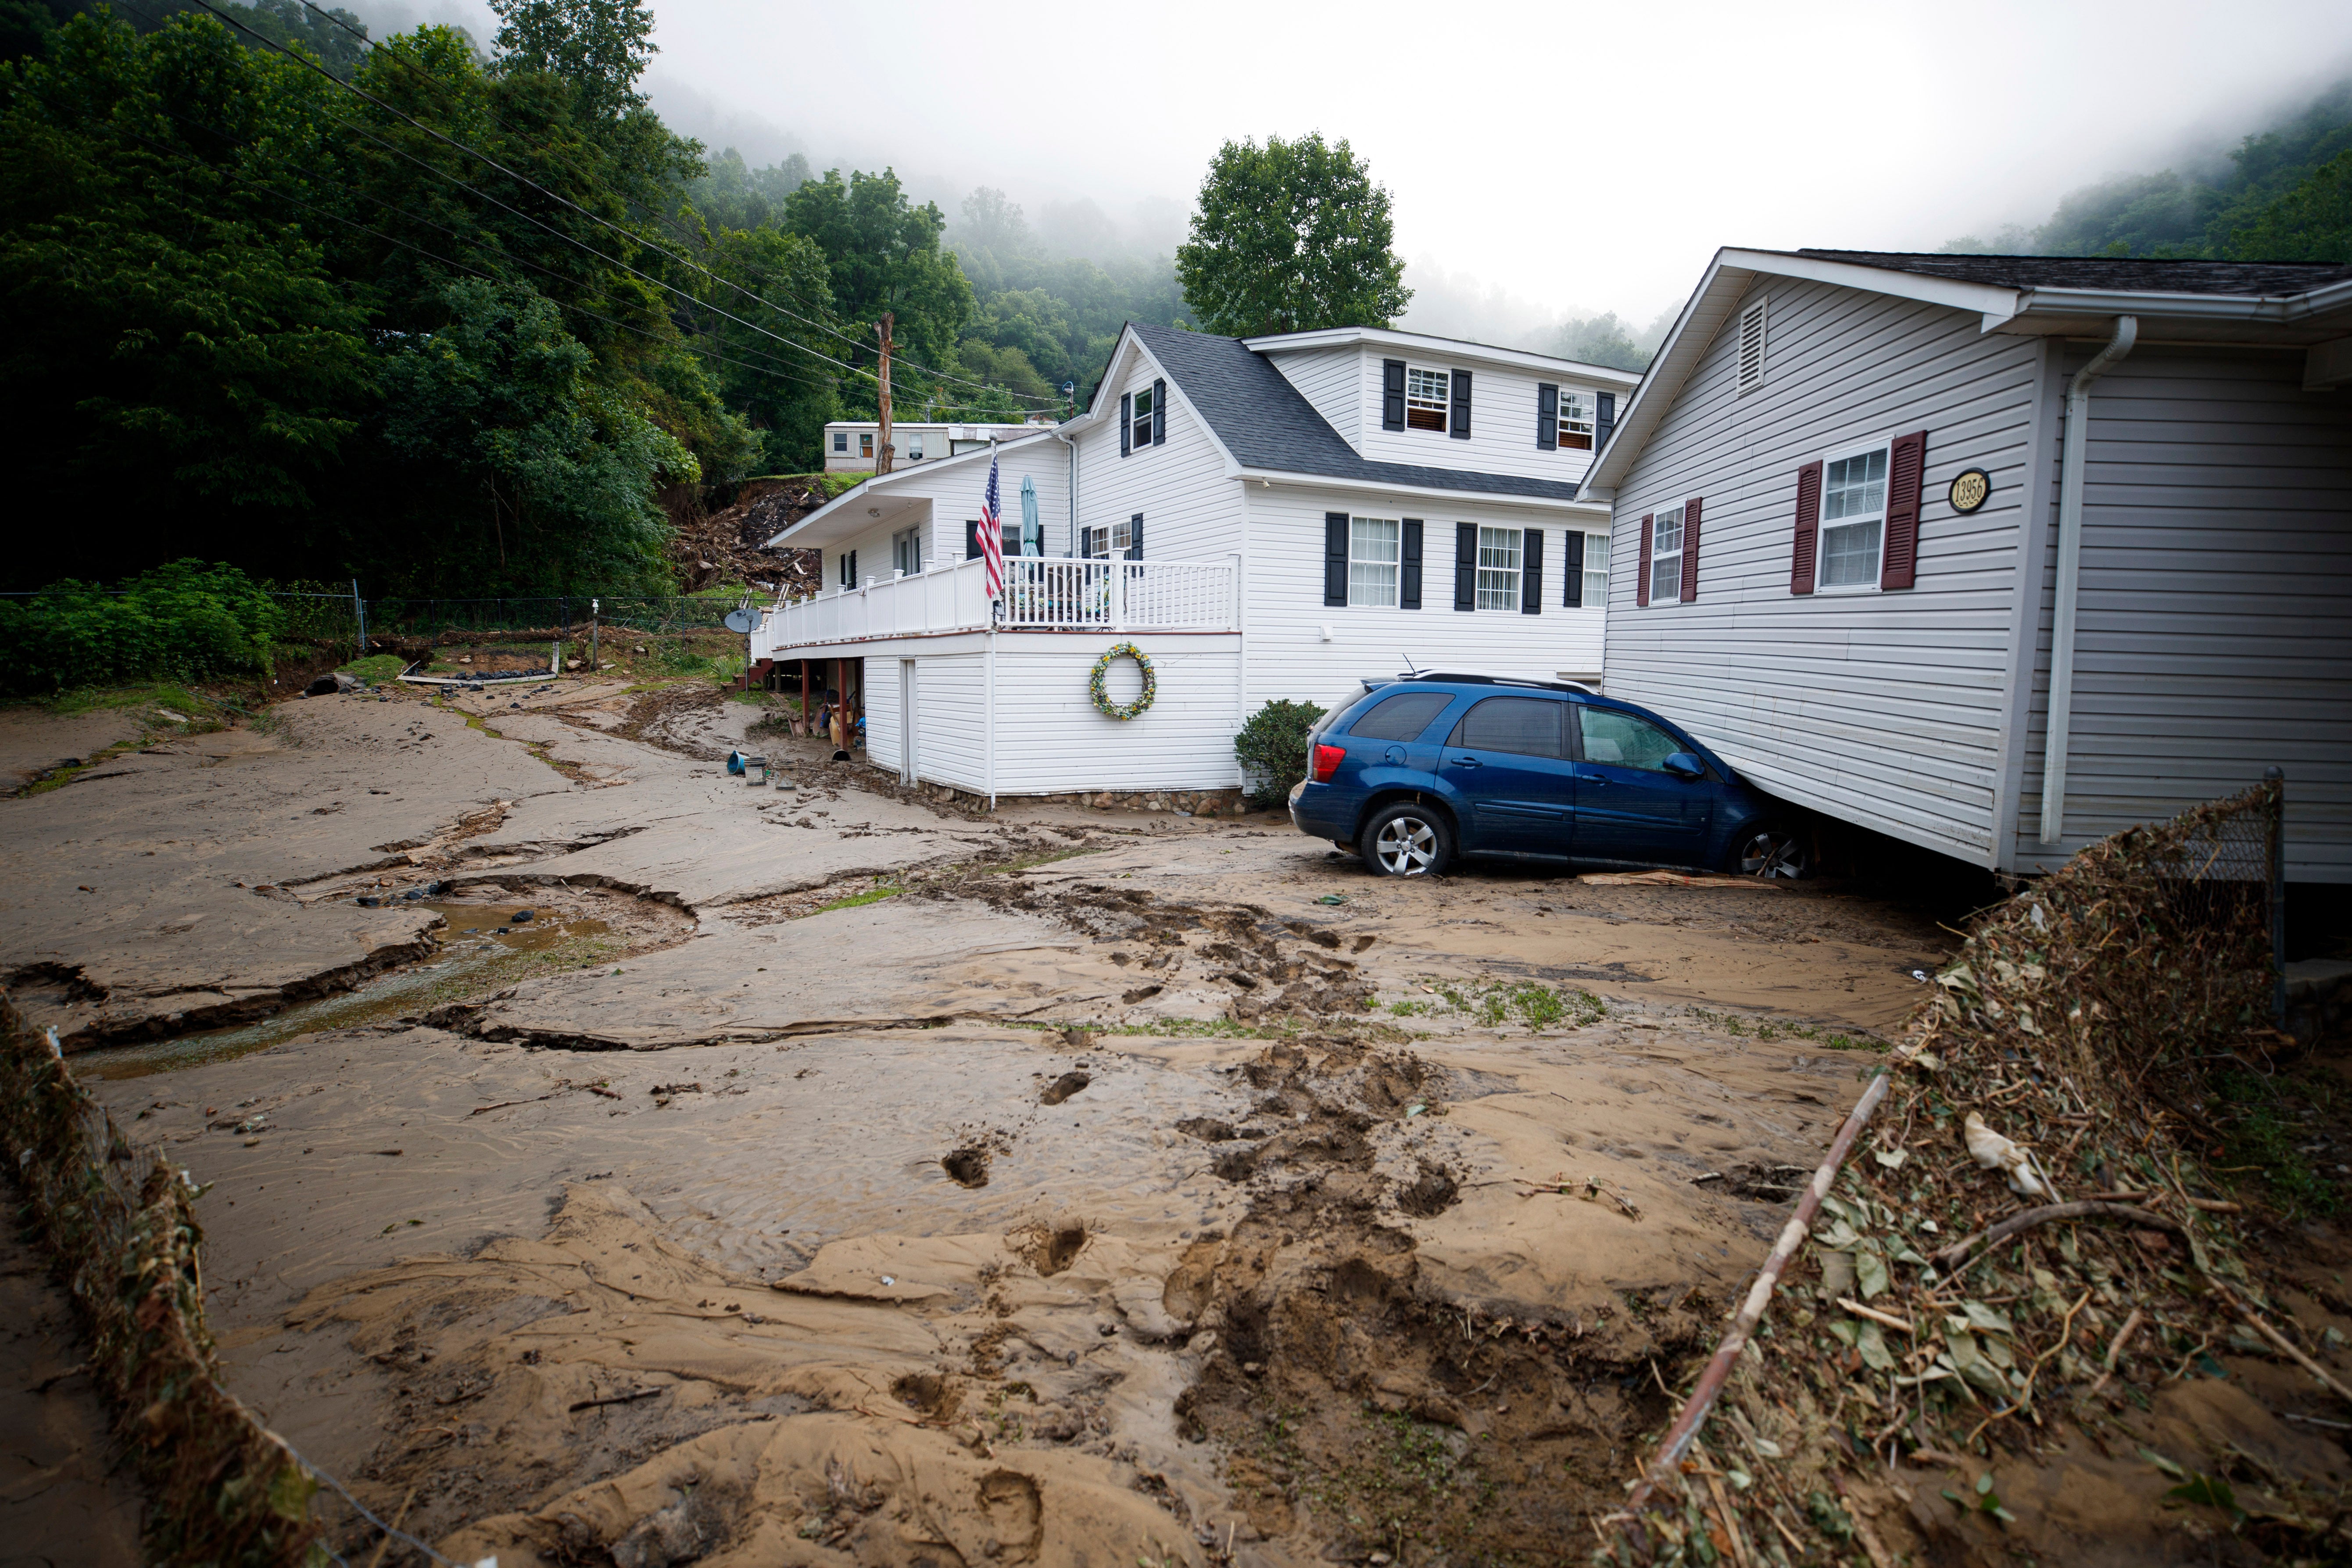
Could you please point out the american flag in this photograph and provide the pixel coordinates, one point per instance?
(992, 534)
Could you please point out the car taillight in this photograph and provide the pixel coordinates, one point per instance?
(1327, 761)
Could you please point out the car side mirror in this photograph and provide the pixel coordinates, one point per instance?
(1684, 765)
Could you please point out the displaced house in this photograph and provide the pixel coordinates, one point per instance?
(1271, 518)
(1999, 554)
(850, 445)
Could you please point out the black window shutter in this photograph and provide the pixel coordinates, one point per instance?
(1571, 571)
(1335, 557)
(1461, 430)
(1135, 537)
(1532, 572)
(1160, 414)
(1465, 565)
(972, 540)
(1547, 416)
(1391, 395)
(1126, 420)
(1604, 421)
(1409, 566)
(852, 565)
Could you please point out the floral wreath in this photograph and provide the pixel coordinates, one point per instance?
(1102, 667)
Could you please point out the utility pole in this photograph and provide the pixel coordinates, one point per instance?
(883, 450)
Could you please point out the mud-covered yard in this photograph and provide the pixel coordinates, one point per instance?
(611, 1161)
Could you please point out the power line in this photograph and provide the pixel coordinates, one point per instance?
(685, 261)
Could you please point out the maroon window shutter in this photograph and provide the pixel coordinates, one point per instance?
(1690, 549)
(1809, 529)
(1906, 470)
(1641, 583)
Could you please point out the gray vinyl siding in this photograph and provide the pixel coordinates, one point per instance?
(1884, 709)
(2214, 633)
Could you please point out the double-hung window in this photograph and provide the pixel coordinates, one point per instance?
(1140, 427)
(1102, 543)
(1499, 568)
(1428, 397)
(1576, 421)
(841, 442)
(915, 447)
(1666, 557)
(1374, 555)
(907, 551)
(1854, 519)
(1596, 571)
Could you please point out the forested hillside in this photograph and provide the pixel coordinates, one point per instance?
(2283, 194)
(282, 295)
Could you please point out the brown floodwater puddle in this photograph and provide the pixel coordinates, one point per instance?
(477, 947)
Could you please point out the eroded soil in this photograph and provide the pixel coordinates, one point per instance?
(819, 1176)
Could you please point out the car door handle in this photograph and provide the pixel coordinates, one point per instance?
(1466, 762)
(1592, 778)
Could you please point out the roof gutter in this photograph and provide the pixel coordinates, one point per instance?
(1394, 487)
(2074, 458)
(2276, 310)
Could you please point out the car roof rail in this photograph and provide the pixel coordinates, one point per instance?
(1461, 677)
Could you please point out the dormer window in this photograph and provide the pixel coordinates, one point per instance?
(1428, 395)
(1576, 421)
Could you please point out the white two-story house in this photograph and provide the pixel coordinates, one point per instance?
(1265, 518)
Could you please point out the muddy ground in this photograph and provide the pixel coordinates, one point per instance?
(612, 1162)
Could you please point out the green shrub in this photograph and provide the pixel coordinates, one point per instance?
(1272, 747)
(185, 619)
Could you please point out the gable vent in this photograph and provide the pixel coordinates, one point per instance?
(1751, 347)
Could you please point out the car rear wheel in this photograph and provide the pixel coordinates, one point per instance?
(1772, 851)
(1407, 840)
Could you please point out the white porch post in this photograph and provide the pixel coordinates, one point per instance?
(988, 709)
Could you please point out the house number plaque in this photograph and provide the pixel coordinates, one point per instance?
(1970, 489)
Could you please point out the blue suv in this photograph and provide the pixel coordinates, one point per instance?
(1428, 767)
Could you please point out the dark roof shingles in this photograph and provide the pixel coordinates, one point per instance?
(1266, 423)
(2131, 273)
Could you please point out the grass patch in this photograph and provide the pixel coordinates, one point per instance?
(1771, 1029)
(2265, 1123)
(1536, 1005)
(377, 669)
(870, 895)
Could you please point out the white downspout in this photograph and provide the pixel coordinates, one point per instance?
(1073, 445)
(2073, 457)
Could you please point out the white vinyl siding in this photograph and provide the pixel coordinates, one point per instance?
(1853, 519)
(1332, 382)
(1503, 413)
(1374, 545)
(1882, 709)
(1192, 510)
(1499, 568)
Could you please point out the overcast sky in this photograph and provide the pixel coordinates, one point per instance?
(1545, 160)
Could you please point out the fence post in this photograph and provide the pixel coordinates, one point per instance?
(2276, 875)
(595, 607)
(359, 608)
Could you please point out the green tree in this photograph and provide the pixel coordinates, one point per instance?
(2313, 222)
(560, 471)
(1290, 237)
(600, 47)
(883, 255)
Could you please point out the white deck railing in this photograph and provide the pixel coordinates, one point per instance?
(1040, 594)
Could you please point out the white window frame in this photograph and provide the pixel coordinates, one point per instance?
(914, 446)
(1441, 406)
(1596, 572)
(1663, 518)
(841, 443)
(1109, 544)
(1824, 525)
(1139, 426)
(1755, 337)
(907, 551)
(1499, 582)
(1365, 554)
(1579, 415)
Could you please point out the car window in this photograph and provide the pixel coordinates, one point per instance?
(1528, 726)
(1400, 718)
(1625, 741)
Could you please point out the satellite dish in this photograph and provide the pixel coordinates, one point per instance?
(743, 620)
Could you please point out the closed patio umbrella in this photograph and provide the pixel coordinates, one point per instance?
(1033, 533)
